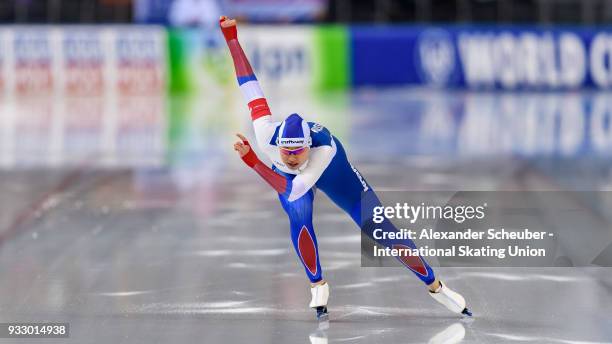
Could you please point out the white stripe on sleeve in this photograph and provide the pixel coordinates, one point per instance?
(251, 91)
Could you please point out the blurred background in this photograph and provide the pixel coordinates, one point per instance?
(142, 82)
(124, 207)
(174, 12)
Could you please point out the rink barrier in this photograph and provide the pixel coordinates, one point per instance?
(307, 58)
(69, 93)
(91, 60)
(336, 57)
(482, 57)
(82, 60)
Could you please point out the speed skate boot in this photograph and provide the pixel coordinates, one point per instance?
(320, 295)
(451, 299)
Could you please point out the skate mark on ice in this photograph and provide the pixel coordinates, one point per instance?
(523, 277)
(354, 285)
(536, 339)
(126, 293)
(356, 312)
(238, 253)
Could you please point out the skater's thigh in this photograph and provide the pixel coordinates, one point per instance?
(345, 186)
(300, 210)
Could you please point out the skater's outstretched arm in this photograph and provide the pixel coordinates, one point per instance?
(291, 189)
(281, 184)
(249, 86)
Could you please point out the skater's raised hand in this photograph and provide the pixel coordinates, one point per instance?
(244, 150)
(228, 27)
(242, 146)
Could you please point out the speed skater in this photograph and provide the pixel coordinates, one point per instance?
(306, 157)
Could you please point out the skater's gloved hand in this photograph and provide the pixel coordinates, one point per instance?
(245, 151)
(228, 27)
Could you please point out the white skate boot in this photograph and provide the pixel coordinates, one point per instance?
(451, 299)
(320, 295)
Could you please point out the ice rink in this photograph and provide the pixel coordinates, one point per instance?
(147, 228)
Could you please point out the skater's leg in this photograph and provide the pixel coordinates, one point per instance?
(349, 190)
(305, 245)
(440, 292)
(303, 235)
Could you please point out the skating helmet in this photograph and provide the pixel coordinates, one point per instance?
(294, 132)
